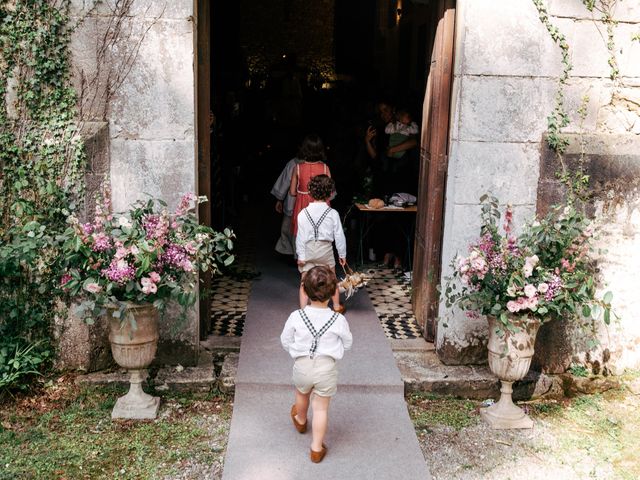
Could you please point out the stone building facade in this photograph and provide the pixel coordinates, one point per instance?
(504, 83)
(505, 79)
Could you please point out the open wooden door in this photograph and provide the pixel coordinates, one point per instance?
(203, 137)
(433, 172)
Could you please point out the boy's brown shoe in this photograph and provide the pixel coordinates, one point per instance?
(300, 427)
(316, 457)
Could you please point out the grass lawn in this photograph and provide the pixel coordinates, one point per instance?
(66, 432)
(594, 436)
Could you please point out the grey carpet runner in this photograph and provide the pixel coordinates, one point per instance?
(370, 435)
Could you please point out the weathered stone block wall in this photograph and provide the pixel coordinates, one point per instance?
(135, 70)
(612, 162)
(506, 71)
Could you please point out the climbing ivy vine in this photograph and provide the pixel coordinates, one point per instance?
(559, 117)
(576, 181)
(42, 162)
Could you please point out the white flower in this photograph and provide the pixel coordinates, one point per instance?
(530, 290)
(124, 222)
(527, 270)
(543, 287)
(134, 250)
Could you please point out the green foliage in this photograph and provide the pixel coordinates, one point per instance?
(144, 255)
(42, 161)
(605, 8)
(18, 362)
(578, 370)
(544, 273)
(559, 117)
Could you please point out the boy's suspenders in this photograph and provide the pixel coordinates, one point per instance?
(316, 225)
(312, 330)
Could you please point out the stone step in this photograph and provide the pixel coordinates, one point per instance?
(419, 366)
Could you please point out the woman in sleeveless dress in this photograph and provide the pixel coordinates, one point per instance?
(313, 155)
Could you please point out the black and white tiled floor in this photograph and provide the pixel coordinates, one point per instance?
(231, 291)
(390, 294)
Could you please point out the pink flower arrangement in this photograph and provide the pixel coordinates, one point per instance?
(543, 273)
(142, 255)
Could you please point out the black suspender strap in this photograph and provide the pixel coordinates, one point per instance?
(316, 225)
(316, 334)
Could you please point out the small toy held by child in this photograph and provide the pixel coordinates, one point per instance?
(316, 337)
(319, 226)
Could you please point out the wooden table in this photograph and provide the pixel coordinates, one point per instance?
(369, 216)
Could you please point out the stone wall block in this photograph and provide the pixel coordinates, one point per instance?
(507, 38)
(96, 140)
(589, 54)
(158, 168)
(625, 10)
(628, 50)
(171, 9)
(156, 101)
(80, 346)
(505, 109)
(508, 168)
(599, 92)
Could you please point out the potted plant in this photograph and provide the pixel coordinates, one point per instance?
(520, 282)
(128, 266)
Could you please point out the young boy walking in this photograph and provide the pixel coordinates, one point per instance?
(319, 226)
(316, 337)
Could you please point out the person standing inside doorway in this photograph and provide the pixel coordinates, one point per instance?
(313, 156)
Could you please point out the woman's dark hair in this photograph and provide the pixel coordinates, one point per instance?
(320, 283)
(312, 149)
(321, 187)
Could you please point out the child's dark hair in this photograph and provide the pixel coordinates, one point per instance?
(403, 110)
(312, 149)
(320, 283)
(321, 187)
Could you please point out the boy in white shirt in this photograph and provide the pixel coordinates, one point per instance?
(319, 226)
(316, 338)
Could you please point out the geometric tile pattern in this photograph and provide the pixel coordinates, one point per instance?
(231, 291)
(390, 293)
(229, 305)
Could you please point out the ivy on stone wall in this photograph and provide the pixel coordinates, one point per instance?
(576, 181)
(605, 8)
(559, 117)
(42, 161)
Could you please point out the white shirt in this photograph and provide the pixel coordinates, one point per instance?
(297, 339)
(401, 128)
(330, 229)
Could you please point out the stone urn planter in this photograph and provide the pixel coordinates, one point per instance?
(134, 350)
(510, 355)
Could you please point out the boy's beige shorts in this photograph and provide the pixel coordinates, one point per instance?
(318, 253)
(319, 373)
